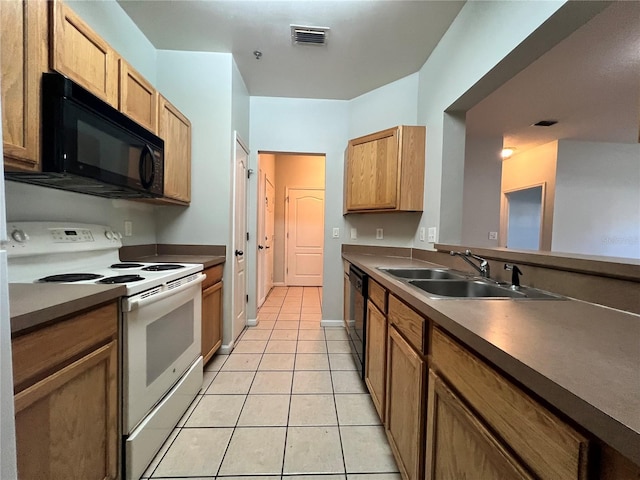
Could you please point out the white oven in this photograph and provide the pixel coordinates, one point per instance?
(161, 345)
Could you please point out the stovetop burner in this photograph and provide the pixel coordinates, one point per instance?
(162, 266)
(126, 265)
(121, 279)
(70, 277)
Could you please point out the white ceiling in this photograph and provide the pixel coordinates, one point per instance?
(589, 83)
(371, 42)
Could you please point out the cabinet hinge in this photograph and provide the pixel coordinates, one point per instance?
(247, 298)
(247, 236)
(287, 199)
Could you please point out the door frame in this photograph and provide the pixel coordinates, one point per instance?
(260, 255)
(286, 225)
(504, 214)
(237, 140)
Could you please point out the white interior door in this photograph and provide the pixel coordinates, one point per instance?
(239, 239)
(269, 237)
(305, 236)
(261, 252)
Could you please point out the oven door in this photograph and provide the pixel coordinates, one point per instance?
(161, 340)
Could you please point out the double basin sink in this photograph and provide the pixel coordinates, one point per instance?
(442, 283)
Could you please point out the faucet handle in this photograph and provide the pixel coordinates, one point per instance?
(515, 274)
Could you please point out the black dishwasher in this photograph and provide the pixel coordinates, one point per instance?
(357, 320)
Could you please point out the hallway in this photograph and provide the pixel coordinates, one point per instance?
(286, 404)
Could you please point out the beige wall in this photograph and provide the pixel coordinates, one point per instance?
(527, 169)
(292, 171)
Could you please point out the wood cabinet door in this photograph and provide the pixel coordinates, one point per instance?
(66, 424)
(23, 57)
(376, 357)
(459, 445)
(211, 320)
(372, 173)
(175, 130)
(138, 99)
(82, 55)
(405, 399)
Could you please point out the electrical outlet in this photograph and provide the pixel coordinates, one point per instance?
(422, 234)
(379, 233)
(128, 228)
(493, 235)
(354, 233)
(431, 235)
(336, 232)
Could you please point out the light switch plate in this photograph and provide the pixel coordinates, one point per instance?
(422, 234)
(336, 232)
(493, 235)
(431, 235)
(354, 233)
(379, 233)
(128, 228)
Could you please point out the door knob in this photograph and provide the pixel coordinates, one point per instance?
(239, 253)
(260, 247)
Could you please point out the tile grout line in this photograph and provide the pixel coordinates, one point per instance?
(335, 406)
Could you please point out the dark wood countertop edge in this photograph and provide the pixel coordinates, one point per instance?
(622, 268)
(619, 436)
(22, 324)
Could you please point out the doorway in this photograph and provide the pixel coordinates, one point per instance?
(524, 215)
(290, 246)
(239, 238)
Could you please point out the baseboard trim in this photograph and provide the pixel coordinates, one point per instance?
(332, 323)
(279, 284)
(252, 322)
(226, 349)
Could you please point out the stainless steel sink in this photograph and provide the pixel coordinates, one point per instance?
(423, 273)
(479, 289)
(464, 288)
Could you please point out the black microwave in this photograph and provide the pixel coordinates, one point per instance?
(90, 147)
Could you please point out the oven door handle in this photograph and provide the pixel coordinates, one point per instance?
(135, 303)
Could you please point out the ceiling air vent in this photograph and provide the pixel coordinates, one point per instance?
(545, 123)
(301, 35)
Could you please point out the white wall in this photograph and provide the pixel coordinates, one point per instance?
(199, 84)
(480, 37)
(481, 201)
(276, 126)
(597, 205)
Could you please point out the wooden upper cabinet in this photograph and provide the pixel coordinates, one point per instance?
(23, 57)
(138, 99)
(82, 55)
(175, 130)
(384, 171)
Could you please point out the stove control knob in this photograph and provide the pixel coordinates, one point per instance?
(108, 234)
(19, 236)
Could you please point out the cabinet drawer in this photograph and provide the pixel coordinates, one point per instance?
(549, 447)
(214, 275)
(38, 353)
(378, 295)
(408, 322)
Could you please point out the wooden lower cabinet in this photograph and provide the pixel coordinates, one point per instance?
(211, 312)
(67, 410)
(459, 445)
(405, 394)
(376, 357)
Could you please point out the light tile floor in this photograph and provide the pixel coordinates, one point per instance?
(287, 404)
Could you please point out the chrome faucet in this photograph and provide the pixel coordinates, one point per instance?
(482, 268)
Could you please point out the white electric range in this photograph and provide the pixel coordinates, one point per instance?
(160, 322)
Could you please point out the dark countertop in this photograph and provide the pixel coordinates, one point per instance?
(206, 260)
(34, 304)
(582, 358)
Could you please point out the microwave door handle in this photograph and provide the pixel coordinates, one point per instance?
(135, 303)
(145, 164)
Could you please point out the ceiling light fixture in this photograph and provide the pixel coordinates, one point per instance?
(258, 54)
(507, 152)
